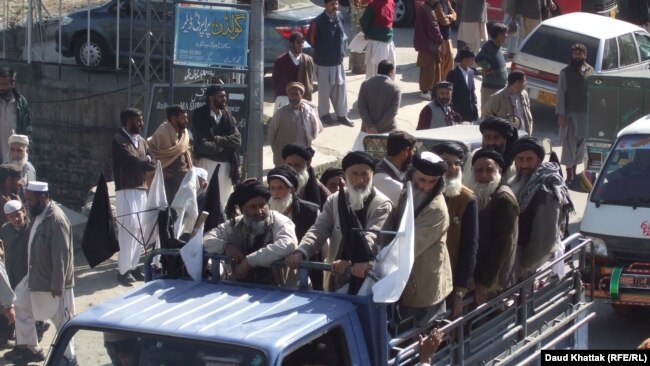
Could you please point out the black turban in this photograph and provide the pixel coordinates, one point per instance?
(284, 173)
(490, 154)
(429, 164)
(529, 143)
(358, 157)
(9, 170)
(330, 173)
(213, 90)
(501, 126)
(451, 148)
(247, 190)
(303, 151)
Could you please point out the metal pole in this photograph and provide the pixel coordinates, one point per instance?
(118, 14)
(30, 22)
(256, 86)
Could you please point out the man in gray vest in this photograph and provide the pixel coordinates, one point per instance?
(571, 108)
(389, 174)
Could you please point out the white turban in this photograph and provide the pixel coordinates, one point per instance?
(12, 206)
(21, 139)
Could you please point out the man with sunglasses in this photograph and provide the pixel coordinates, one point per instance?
(462, 236)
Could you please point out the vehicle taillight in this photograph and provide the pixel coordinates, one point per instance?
(285, 32)
(538, 74)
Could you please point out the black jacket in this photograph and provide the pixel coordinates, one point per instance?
(463, 99)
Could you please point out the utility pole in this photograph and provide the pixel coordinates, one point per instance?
(253, 158)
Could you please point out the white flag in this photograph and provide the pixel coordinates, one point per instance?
(185, 205)
(192, 254)
(394, 262)
(156, 202)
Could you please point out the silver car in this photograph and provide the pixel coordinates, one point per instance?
(612, 46)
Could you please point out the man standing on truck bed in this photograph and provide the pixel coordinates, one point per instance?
(45, 293)
(571, 109)
(256, 238)
(430, 281)
(350, 220)
(544, 206)
(497, 218)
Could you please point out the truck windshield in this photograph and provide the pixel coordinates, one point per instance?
(95, 347)
(625, 177)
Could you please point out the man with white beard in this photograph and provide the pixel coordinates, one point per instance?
(430, 281)
(256, 238)
(544, 204)
(309, 188)
(19, 155)
(350, 220)
(462, 236)
(283, 182)
(497, 218)
(498, 135)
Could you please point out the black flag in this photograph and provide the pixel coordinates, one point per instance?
(212, 203)
(100, 237)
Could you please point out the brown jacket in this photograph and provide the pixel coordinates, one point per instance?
(130, 164)
(430, 281)
(498, 232)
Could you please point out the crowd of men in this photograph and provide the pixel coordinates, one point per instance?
(483, 219)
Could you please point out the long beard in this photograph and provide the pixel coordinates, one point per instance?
(256, 226)
(518, 182)
(303, 177)
(419, 197)
(358, 196)
(36, 210)
(280, 205)
(483, 191)
(453, 186)
(19, 162)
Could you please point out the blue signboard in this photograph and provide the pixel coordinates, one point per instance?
(211, 36)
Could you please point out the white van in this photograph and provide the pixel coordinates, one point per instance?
(618, 209)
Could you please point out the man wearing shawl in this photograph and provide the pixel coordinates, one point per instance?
(430, 281)
(498, 135)
(171, 145)
(256, 238)
(295, 123)
(544, 206)
(350, 220)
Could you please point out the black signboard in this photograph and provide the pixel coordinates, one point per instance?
(191, 97)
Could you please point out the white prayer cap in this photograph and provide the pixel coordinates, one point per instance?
(12, 206)
(201, 173)
(36, 186)
(21, 139)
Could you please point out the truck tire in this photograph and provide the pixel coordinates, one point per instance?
(91, 54)
(404, 13)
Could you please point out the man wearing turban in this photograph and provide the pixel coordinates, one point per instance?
(19, 155)
(254, 238)
(544, 206)
(497, 219)
(350, 219)
(430, 281)
(309, 188)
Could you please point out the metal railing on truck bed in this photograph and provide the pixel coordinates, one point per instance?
(542, 311)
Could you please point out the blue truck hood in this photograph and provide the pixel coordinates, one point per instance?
(261, 317)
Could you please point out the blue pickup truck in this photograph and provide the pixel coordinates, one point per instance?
(183, 322)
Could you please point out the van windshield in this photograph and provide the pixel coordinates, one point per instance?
(124, 348)
(554, 44)
(625, 177)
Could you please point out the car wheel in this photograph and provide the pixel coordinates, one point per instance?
(91, 54)
(404, 13)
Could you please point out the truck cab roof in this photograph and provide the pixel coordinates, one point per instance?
(269, 319)
(640, 126)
